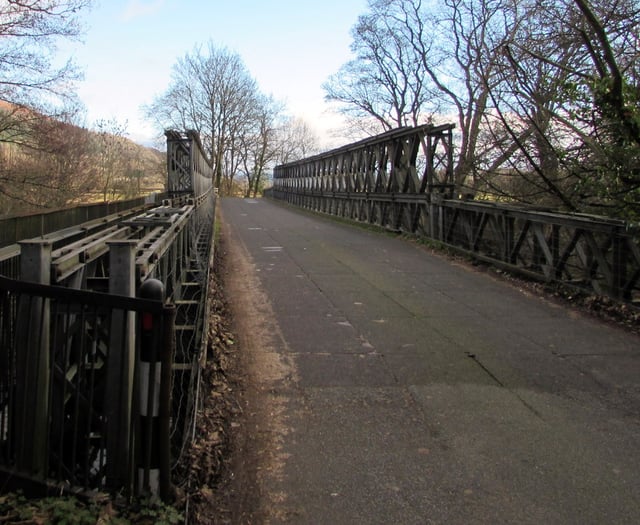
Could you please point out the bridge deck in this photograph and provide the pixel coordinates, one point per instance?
(394, 386)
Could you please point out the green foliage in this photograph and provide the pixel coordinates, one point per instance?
(68, 510)
(154, 512)
(617, 121)
(619, 107)
(605, 166)
(15, 508)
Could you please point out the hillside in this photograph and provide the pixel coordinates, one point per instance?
(47, 163)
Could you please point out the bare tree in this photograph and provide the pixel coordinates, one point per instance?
(213, 93)
(54, 169)
(570, 76)
(33, 89)
(421, 63)
(383, 87)
(545, 94)
(459, 46)
(113, 154)
(259, 148)
(29, 32)
(517, 158)
(295, 140)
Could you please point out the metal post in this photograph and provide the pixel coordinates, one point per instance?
(149, 389)
(432, 211)
(509, 232)
(32, 363)
(164, 443)
(554, 248)
(619, 266)
(120, 367)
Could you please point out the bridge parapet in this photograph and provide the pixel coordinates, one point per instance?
(410, 160)
(188, 168)
(83, 285)
(383, 181)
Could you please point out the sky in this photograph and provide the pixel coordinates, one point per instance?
(289, 46)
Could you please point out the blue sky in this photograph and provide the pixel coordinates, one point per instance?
(289, 46)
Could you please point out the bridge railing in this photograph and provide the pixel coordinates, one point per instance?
(384, 181)
(16, 228)
(72, 383)
(86, 335)
(595, 254)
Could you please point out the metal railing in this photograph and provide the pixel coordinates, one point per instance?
(113, 377)
(71, 385)
(16, 228)
(595, 254)
(385, 181)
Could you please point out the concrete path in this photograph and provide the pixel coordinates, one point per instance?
(397, 387)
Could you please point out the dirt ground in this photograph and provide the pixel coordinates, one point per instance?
(215, 490)
(245, 384)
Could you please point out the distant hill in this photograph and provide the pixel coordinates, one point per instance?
(47, 163)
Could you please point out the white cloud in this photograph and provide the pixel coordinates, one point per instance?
(138, 8)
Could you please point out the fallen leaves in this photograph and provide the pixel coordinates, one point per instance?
(202, 471)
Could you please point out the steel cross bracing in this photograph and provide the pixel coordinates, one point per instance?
(188, 168)
(403, 180)
(382, 180)
(594, 253)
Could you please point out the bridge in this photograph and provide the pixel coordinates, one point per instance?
(103, 335)
(392, 384)
(389, 384)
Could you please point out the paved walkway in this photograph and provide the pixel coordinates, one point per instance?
(402, 388)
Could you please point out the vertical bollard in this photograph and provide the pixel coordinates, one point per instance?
(433, 220)
(619, 276)
(150, 368)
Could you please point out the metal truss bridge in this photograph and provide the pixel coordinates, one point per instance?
(103, 333)
(103, 325)
(403, 181)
